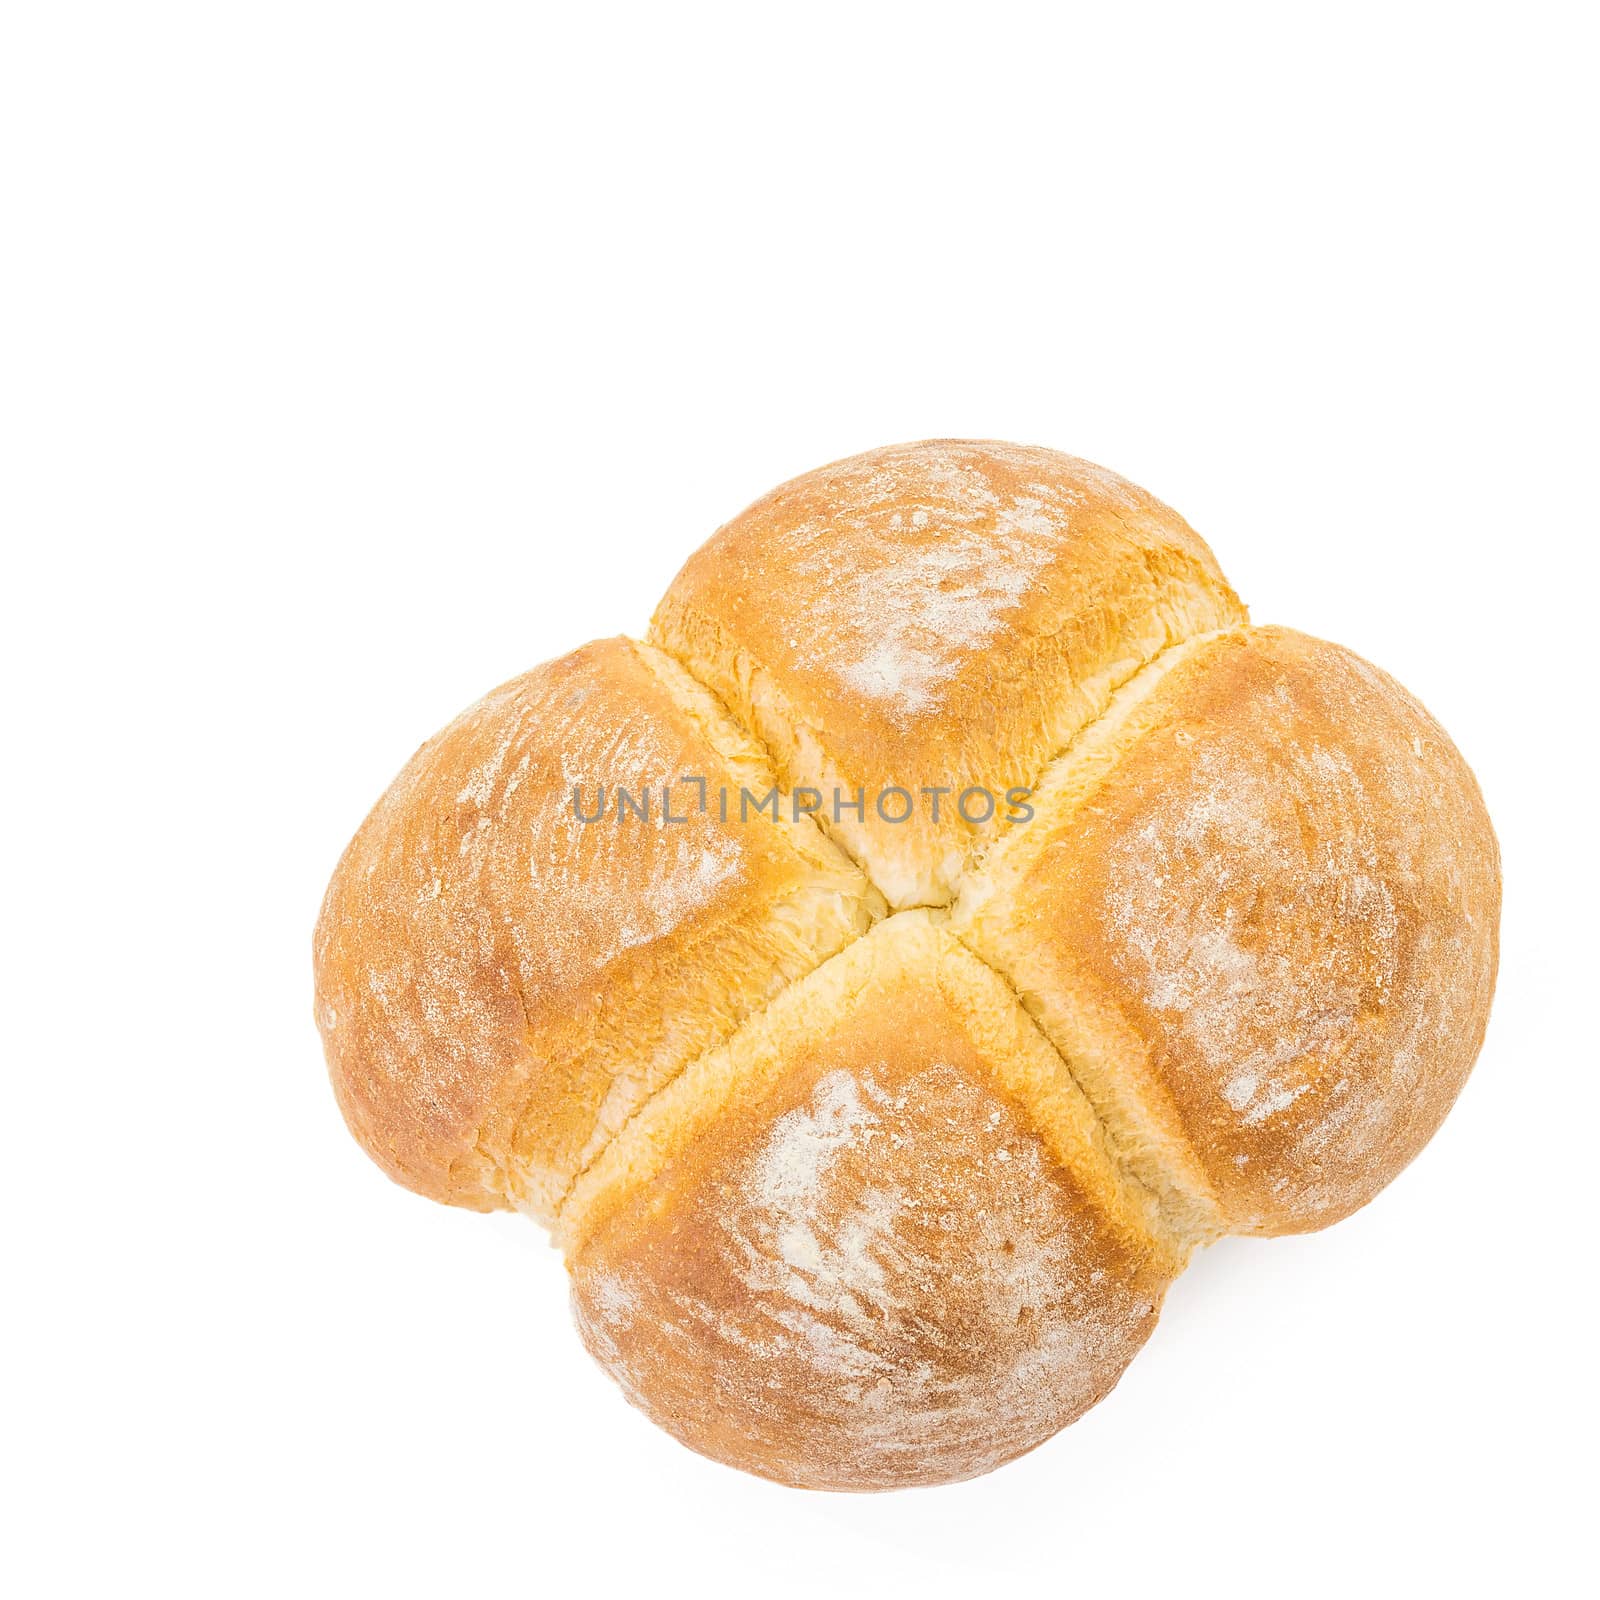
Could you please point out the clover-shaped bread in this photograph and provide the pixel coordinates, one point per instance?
(874, 1133)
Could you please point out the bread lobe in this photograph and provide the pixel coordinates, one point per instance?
(938, 615)
(490, 968)
(875, 1240)
(1260, 917)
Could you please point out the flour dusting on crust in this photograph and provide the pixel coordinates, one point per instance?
(1300, 901)
(1221, 958)
(920, 556)
(899, 1286)
(488, 956)
(915, 559)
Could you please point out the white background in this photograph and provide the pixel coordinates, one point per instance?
(358, 357)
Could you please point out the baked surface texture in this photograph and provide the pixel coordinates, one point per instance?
(499, 984)
(935, 615)
(874, 1145)
(1269, 897)
(874, 1246)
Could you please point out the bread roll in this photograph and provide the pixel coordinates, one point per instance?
(873, 1144)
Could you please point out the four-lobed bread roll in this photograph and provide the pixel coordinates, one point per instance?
(873, 1144)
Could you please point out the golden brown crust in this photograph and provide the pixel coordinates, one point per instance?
(859, 1203)
(937, 615)
(490, 970)
(1271, 901)
(857, 1260)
